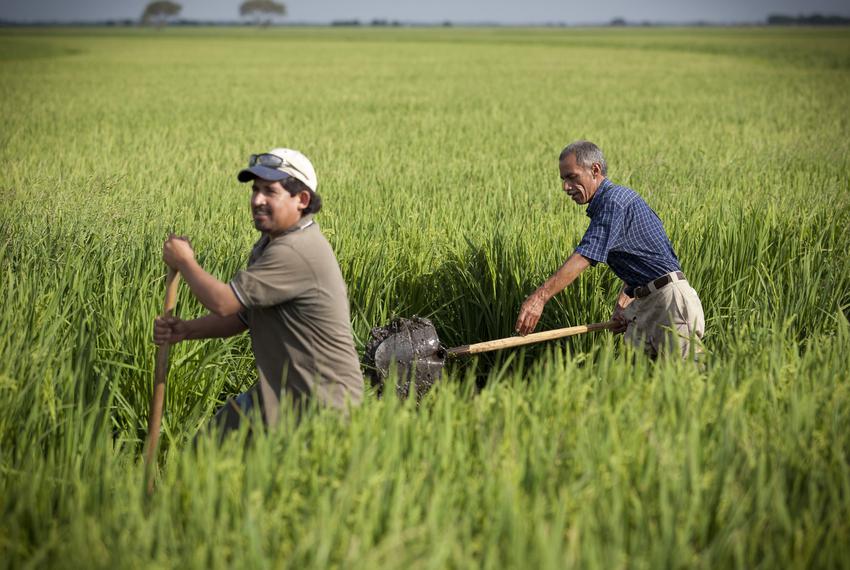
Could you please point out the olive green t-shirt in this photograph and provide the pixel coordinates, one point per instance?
(296, 308)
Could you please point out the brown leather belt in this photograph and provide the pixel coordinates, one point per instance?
(644, 290)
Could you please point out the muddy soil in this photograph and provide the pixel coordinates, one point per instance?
(426, 365)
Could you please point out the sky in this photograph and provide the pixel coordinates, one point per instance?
(433, 11)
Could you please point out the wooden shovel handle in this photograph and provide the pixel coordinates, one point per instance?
(160, 374)
(527, 339)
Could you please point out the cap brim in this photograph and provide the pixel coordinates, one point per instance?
(263, 172)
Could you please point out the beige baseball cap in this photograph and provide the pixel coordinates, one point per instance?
(280, 163)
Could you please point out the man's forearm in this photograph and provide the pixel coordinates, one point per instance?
(216, 296)
(533, 305)
(618, 316)
(214, 326)
(623, 300)
(567, 273)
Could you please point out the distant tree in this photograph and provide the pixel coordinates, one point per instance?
(158, 13)
(256, 9)
(779, 20)
(810, 20)
(617, 22)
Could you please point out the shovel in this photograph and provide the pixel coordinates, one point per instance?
(160, 374)
(413, 349)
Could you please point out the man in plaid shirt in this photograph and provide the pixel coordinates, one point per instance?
(657, 308)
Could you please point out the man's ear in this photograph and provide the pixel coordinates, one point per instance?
(596, 169)
(303, 199)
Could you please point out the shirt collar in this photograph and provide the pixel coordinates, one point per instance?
(305, 222)
(596, 202)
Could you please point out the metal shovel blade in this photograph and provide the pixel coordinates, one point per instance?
(412, 348)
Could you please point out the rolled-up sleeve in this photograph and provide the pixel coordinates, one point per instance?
(278, 275)
(602, 234)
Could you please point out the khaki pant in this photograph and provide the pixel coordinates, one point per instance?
(668, 320)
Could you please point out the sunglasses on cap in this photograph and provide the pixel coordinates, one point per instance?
(270, 161)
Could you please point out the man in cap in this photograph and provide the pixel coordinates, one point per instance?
(657, 308)
(291, 297)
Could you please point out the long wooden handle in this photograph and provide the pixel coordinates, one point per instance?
(527, 339)
(160, 374)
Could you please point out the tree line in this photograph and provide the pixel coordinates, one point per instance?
(260, 11)
(807, 20)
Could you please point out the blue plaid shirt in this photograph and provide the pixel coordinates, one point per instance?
(626, 234)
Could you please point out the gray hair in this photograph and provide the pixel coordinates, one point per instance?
(586, 154)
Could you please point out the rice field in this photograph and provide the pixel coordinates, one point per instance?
(436, 152)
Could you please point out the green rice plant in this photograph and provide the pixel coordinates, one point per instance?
(436, 152)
